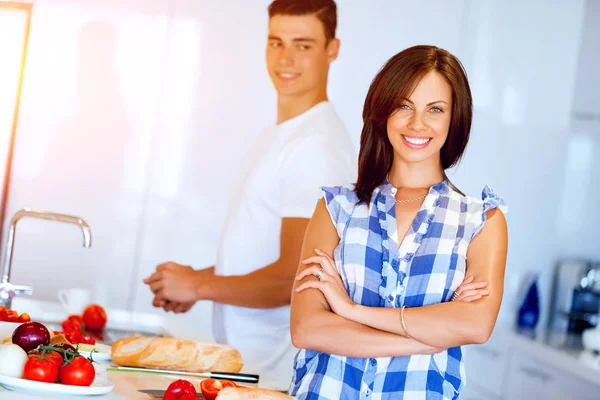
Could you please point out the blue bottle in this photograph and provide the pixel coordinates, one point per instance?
(529, 312)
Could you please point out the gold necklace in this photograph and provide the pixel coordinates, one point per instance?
(410, 200)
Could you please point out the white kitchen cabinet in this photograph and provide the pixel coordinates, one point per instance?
(586, 107)
(474, 392)
(514, 367)
(481, 362)
(530, 378)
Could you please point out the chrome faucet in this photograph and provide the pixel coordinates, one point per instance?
(7, 289)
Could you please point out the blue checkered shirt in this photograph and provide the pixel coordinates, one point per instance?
(426, 269)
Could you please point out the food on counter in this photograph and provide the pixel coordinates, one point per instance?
(243, 393)
(77, 372)
(174, 354)
(30, 335)
(211, 387)
(73, 331)
(72, 323)
(50, 364)
(76, 337)
(53, 356)
(180, 390)
(13, 316)
(47, 363)
(60, 338)
(74, 326)
(41, 369)
(87, 347)
(94, 317)
(62, 345)
(12, 360)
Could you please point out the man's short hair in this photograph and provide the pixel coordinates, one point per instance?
(325, 11)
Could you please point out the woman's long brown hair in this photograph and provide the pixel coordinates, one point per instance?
(395, 82)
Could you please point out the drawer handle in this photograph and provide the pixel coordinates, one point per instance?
(536, 374)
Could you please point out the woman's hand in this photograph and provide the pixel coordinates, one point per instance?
(329, 283)
(470, 291)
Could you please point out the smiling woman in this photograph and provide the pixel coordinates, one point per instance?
(388, 256)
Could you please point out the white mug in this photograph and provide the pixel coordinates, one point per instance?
(74, 300)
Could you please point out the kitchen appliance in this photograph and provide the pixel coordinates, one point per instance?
(529, 312)
(591, 344)
(576, 297)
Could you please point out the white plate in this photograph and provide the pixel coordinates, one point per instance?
(100, 386)
(103, 353)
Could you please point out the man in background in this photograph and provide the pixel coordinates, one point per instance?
(306, 148)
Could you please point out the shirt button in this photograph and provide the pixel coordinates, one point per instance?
(373, 363)
(367, 392)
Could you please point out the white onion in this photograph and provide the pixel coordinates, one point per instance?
(12, 360)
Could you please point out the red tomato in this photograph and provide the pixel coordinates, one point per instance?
(79, 372)
(75, 319)
(55, 357)
(211, 387)
(87, 340)
(180, 390)
(73, 336)
(12, 316)
(24, 317)
(40, 370)
(73, 323)
(94, 317)
(69, 326)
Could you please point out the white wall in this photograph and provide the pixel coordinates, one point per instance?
(521, 57)
(13, 27)
(89, 110)
(135, 114)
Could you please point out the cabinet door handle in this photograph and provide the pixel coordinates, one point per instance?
(540, 375)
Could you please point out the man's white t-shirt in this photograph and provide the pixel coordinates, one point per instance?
(283, 176)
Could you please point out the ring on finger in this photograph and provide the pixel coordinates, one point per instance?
(455, 296)
(320, 273)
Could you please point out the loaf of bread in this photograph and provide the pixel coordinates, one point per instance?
(174, 354)
(230, 393)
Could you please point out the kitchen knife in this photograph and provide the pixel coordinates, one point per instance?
(236, 377)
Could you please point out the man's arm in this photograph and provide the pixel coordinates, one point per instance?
(313, 324)
(267, 287)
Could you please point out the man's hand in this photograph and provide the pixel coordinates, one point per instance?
(175, 286)
(177, 308)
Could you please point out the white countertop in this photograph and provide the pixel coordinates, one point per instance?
(546, 349)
